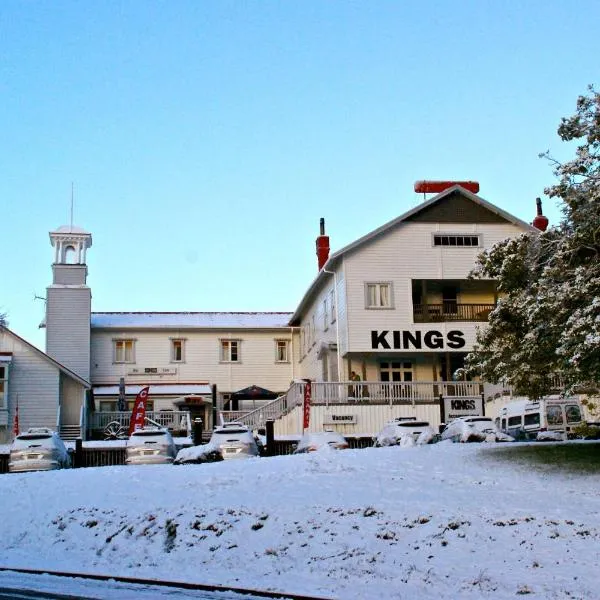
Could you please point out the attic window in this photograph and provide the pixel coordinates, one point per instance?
(440, 239)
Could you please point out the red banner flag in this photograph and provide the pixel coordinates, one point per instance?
(16, 423)
(306, 405)
(138, 414)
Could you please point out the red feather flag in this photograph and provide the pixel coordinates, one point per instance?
(138, 414)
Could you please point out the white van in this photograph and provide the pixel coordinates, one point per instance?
(524, 419)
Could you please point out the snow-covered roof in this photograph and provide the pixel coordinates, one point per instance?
(71, 229)
(178, 389)
(189, 320)
(336, 256)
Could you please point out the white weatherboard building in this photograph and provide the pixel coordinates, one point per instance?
(379, 333)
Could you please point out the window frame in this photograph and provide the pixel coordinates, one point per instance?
(226, 356)
(123, 361)
(286, 345)
(379, 285)
(4, 377)
(173, 357)
(333, 306)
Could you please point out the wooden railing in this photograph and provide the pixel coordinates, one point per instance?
(171, 419)
(451, 311)
(350, 392)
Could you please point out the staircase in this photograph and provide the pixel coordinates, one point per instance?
(69, 433)
(270, 411)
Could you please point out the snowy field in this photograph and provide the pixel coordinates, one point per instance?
(442, 521)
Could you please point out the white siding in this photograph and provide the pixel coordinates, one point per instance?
(202, 358)
(369, 419)
(36, 383)
(399, 256)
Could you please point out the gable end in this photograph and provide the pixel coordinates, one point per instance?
(456, 208)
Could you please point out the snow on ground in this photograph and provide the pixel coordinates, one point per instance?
(442, 521)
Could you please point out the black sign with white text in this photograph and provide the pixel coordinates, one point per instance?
(417, 340)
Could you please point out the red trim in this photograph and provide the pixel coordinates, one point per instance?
(435, 187)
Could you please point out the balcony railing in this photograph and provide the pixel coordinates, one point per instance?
(451, 311)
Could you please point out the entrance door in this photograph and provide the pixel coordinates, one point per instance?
(397, 372)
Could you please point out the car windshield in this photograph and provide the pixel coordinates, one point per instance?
(34, 436)
(228, 430)
(413, 424)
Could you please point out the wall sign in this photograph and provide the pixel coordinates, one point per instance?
(462, 407)
(405, 340)
(339, 420)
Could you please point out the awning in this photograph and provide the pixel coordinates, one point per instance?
(168, 389)
(254, 392)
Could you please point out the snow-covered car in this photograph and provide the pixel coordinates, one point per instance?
(234, 440)
(150, 446)
(474, 429)
(405, 432)
(198, 454)
(38, 449)
(311, 442)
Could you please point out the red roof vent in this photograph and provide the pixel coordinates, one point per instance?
(435, 187)
(540, 222)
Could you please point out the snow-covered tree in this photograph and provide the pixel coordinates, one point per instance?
(547, 321)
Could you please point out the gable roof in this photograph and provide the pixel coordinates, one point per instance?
(49, 359)
(425, 212)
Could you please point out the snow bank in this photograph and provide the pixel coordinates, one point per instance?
(441, 521)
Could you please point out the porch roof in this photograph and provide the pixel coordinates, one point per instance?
(167, 389)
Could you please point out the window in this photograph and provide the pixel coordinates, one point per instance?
(313, 330)
(333, 306)
(3, 386)
(532, 419)
(177, 348)
(325, 315)
(514, 421)
(282, 351)
(396, 371)
(124, 351)
(230, 351)
(573, 413)
(378, 295)
(554, 415)
(440, 239)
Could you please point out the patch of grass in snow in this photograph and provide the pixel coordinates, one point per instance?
(577, 457)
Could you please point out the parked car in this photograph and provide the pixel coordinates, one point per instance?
(405, 431)
(310, 442)
(234, 440)
(474, 429)
(150, 446)
(38, 449)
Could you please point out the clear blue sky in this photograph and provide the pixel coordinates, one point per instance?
(206, 139)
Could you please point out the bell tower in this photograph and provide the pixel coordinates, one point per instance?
(69, 301)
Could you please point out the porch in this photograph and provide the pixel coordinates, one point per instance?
(115, 424)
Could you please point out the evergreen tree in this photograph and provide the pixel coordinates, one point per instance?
(547, 320)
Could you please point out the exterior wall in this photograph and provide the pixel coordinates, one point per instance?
(35, 383)
(400, 256)
(314, 359)
(69, 274)
(369, 419)
(72, 399)
(201, 359)
(68, 312)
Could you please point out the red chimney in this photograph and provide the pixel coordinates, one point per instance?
(322, 246)
(540, 222)
(435, 187)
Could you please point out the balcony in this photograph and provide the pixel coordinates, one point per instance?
(451, 311)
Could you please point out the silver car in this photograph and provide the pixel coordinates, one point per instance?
(234, 440)
(150, 446)
(38, 449)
